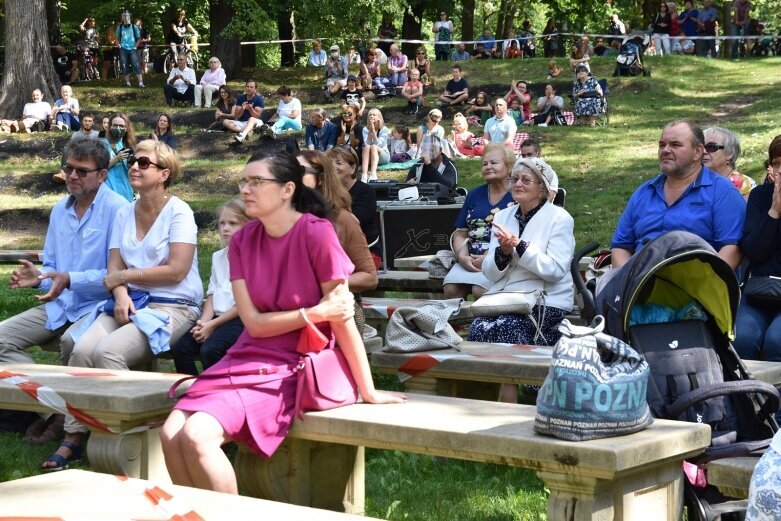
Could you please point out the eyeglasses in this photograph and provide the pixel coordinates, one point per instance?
(347, 114)
(118, 126)
(525, 180)
(81, 172)
(256, 182)
(143, 162)
(712, 147)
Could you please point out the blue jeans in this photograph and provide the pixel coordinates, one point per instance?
(758, 333)
(211, 351)
(69, 120)
(284, 123)
(738, 30)
(131, 56)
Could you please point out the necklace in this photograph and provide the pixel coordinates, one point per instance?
(491, 201)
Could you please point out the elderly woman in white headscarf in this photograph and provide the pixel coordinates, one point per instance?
(530, 251)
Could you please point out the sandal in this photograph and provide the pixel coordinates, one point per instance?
(61, 461)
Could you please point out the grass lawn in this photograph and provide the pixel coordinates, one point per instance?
(599, 167)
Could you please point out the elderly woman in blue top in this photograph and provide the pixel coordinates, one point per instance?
(152, 250)
(531, 249)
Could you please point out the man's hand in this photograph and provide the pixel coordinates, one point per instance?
(61, 280)
(25, 276)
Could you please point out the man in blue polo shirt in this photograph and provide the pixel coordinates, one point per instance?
(75, 256)
(249, 106)
(685, 196)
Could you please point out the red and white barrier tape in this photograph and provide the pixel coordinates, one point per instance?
(48, 397)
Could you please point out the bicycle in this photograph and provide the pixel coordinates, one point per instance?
(88, 60)
(193, 58)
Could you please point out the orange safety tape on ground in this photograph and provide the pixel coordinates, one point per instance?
(48, 397)
(169, 505)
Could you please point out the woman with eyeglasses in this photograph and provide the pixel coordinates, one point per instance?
(530, 251)
(213, 78)
(350, 130)
(224, 107)
(588, 95)
(288, 270)
(119, 142)
(722, 150)
(443, 30)
(152, 276)
(472, 236)
(164, 131)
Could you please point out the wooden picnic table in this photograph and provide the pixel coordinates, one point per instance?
(478, 370)
(416, 282)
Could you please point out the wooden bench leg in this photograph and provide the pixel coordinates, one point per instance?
(652, 493)
(138, 455)
(320, 475)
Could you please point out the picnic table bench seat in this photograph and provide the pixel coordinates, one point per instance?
(93, 496)
(732, 476)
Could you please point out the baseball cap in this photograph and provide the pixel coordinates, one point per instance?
(541, 169)
(334, 47)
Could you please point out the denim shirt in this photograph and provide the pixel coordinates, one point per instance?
(79, 247)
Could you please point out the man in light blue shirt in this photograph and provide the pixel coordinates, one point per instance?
(501, 128)
(75, 256)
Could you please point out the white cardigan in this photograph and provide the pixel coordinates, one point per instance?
(545, 263)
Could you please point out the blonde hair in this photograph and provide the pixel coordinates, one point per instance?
(379, 116)
(459, 119)
(167, 157)
(236, 208)
(508, 156)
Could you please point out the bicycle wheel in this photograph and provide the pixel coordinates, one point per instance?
(169, 62)
(192, 59)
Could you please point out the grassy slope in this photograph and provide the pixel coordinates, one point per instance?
(599, 167)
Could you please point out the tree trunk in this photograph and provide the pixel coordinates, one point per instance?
(227, 50)
(28, 58)
(53, 8)
(285, 30)
(411, 28)
(468, 20)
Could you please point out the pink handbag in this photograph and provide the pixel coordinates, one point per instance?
(324, 382)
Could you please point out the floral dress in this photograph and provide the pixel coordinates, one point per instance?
(591, 106)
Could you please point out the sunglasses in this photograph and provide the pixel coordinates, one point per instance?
(143, 162)
(712, 147)
(81, 172)
(525, 181)
(347, 114)
(421, 53)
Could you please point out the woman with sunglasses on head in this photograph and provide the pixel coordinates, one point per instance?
(119, 141)
(164, 131)
(288, 270)
(722, 150)
(152, 277)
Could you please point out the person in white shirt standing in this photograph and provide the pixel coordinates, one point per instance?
(211, 81)
(35, 116)
(288, 114)
(181, 83)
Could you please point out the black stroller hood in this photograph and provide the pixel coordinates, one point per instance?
(676, 267)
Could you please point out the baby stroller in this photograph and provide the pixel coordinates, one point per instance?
(629, 61)
(696, 375)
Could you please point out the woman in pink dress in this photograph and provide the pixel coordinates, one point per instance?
(285, 266)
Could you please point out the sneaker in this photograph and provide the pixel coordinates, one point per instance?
(240, 137)
(543, 125)
(373, 176)
(261, 129)
(365, 178)
(127, 84)
(415, 111)
(141, 85)
(269, 132)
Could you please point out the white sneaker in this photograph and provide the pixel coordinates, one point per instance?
(365, 178)
(127, 84)
(542, 125)
(240, 137)
(373, 176)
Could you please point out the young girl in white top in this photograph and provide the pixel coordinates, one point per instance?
(219, 326)
(399, 145)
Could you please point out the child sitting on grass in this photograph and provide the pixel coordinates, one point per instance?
(479, 109)
(413, 92)
(463, 138)
(399, 144)
(516, 111)
(352, 95)
(553, 70)
(219, 326)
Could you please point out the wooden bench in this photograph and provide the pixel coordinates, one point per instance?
(479, 368)
(131, 404)
(80, 494)
(13, 256)
(415, 282)
(732, 476)
(630, 477)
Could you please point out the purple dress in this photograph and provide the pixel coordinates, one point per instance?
(281, 273)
